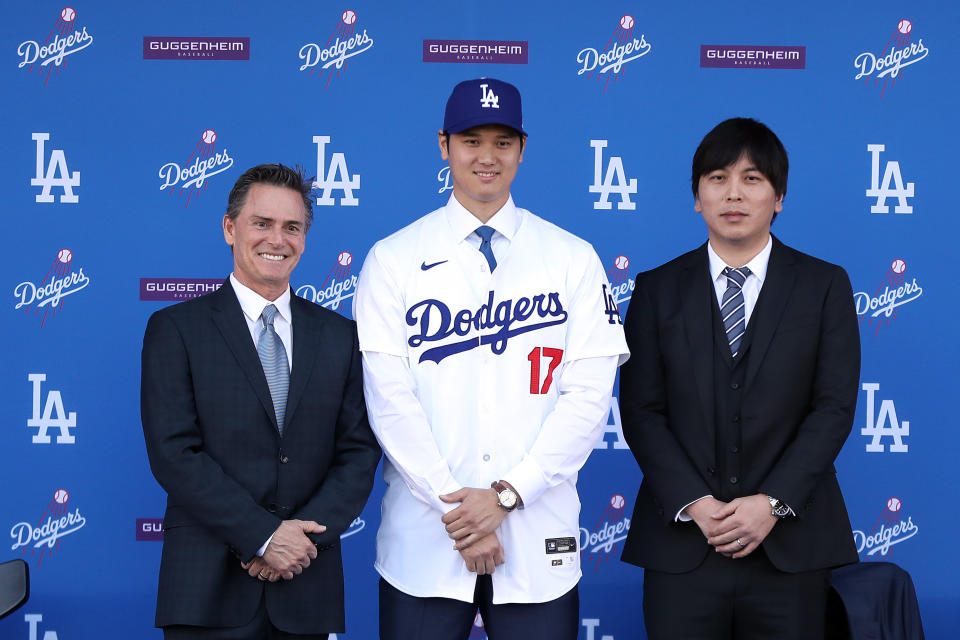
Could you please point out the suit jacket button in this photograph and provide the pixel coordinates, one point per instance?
(733, 479)
(736, 418)
(284, 459)
(735, 386)
(734, 449)
(711, 470)
(272, 508)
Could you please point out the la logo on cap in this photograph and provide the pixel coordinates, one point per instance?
(488, 98)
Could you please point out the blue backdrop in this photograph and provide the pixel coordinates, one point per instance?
(125, 125)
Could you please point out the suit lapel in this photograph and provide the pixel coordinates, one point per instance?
(228, 316)
(698, 320)
(776, 291)
(307, 346)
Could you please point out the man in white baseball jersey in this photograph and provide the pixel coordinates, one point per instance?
(490, 344)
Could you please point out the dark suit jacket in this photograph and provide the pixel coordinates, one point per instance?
(213, 444)
(799, 397)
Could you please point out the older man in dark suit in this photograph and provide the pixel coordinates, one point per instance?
(255, 425)
(739, 394)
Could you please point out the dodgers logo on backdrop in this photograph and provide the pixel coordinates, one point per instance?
(337, 178)
(33, 621)
(608, 62)
(487, 51)
(57, 174)
(443, 177)
(889, 63)
(591, 627)
(613, 182)
(58, 521)
(611, 529)
(337, 288)
(621, 284)
(890, 529)
(894, 291)
(892, 185)
(46, 297)
(748, 56)
(195, 48)
(204, 163)
(883, 424)
(64, 39)
(332, 57)
(437, 322)
(54, 416)
(355, 527)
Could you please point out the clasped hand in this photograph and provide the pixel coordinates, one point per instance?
(734, 528)
(472, 525)
(288, 553)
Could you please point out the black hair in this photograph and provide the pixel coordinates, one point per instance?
(730, 140)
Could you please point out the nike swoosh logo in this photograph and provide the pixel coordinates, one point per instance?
(427, 267)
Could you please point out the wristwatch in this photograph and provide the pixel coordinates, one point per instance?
(777, 508)
(509, 500)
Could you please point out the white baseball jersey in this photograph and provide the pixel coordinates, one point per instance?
(472, 376)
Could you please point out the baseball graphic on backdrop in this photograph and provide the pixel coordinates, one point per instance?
(622, 262)
(898, 266)
(64, 255)
(893, 504)
(61, 496)
(348, 17)
(209, 136)
(617, 501)
(68, 14)
(626, 22)
(904, 26)
(345, 258)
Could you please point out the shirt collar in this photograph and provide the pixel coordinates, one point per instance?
(757, 264)
(506, 221)
(253, 303)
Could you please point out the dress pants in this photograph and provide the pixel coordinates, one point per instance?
(406, 617)
(735, 599)
(259, 628)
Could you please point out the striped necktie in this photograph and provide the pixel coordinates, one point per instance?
(273, 356)
(486, 249)
(733, 307)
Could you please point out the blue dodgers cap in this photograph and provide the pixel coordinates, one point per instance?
(483, 101)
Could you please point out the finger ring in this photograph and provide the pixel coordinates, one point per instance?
(261, 576)
(740, 542)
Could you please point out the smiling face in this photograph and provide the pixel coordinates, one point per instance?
(268, 237)
(738, 204)
(483, 163)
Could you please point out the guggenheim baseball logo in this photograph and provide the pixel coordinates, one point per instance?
(195, 48)
(331, 58)
(488, 51)
(46, 298)
(149, 530)
(176, 289)
(748, 56)
(44, 536)
(64, 39)
(887, 66)
(607, 63)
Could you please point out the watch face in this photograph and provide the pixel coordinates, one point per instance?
(508, 499)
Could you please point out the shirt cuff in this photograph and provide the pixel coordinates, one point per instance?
(682, 515)
(263, 549)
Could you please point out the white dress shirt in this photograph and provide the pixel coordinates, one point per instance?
(448, 352)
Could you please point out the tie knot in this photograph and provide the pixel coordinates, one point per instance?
(268, 313)
(736, 276)
(485, 232)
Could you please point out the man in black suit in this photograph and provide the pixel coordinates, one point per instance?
(737, 398)
(264, 464)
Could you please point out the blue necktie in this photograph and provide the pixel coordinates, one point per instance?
(273, 356)
(733, 307)
(485, 234)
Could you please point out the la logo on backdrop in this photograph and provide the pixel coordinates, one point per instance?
(203, 163)
(45, 535)
(51, 55)
(887, 66)
(46, 297)
(332, 57)
(608, 62)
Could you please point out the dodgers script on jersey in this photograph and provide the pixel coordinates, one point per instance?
(489, 355)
